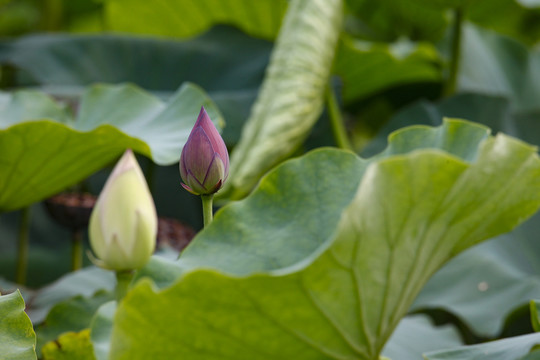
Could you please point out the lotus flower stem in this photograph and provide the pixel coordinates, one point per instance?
(207, 201)
(336, 121)
(457, 32)
(76, 250)
(123, 279)
(22, 251)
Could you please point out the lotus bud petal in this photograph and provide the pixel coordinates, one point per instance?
(123, 224)
(204, 163)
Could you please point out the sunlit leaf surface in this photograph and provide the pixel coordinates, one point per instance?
(421, 202)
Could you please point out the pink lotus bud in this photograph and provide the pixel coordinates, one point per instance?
(204, 163)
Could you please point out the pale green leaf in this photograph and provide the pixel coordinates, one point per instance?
(42, 157)
(17, 337)
(101, 328)
(85, 282)
(506, 349)
(482, 286)
(498, 65)
(291, 97)
(426, 199)
(416, 335)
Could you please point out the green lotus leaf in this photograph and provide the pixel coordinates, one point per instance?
(17, 337)
(71, 315)
(101, 328)
(85, 282)
(178, 18)
(485, 284)
(416, 335)
(70, 346)
(506, 349)
(426, 199)
(223, 59)
(292, 94)
(498, 65)
(43, 157)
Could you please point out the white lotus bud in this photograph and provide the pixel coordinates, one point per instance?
(123, 224)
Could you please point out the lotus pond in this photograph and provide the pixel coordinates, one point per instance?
(270, 179)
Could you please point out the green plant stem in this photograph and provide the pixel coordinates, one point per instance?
(76, 250)
(123, 279)
(23, 245)
(207, 208)
(457, 32)
(336, 121)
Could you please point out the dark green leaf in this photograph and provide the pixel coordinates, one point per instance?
(535, 317)
(367, 68)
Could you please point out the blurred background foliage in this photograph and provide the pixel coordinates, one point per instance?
(397, 63)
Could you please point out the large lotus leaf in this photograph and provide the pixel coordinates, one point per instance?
(416, 335)
(72, 315)
(101, 328)
(506, 349)
(222, 59)
(70, 346)
(17, 338)
(85, 282)
(291, 98)
(485, 284)
(497, 65)
(492, 111)
(178, 18)
(411, 213)
(43, 157)
(367, 68)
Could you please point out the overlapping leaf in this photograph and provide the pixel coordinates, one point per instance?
(70, 346)
(497, 65)
(485, 284)
(506, 349)
(72, 315)
(223, 59)
(17, 338)
(178, 18)
(367, 68)
(42, 157)
(416, 335)
(415, 208)
(428, 19)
